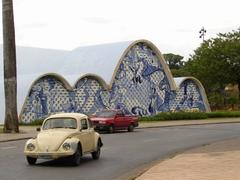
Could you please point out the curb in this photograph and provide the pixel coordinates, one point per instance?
(16, 139)
(193, 124)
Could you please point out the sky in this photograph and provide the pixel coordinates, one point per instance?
(172, 25)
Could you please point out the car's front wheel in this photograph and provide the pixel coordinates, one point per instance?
(96, 154)
(111, 129)
(76, 158)
(130, 128)
(31, 160)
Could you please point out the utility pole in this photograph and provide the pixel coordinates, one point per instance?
(202, 33)
(10, 71)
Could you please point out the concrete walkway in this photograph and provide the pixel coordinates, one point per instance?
(26, 132)
(215, 161)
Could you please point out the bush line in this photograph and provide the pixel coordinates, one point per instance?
(37, 122)
(169, 116)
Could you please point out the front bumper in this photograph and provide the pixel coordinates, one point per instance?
(101, 127)
(48, 155)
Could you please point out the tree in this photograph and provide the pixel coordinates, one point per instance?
(216, 63)
(176, 64)
(174, 61)
(10, 75)
(231, 52)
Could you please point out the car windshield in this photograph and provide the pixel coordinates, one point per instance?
(106, 114)
(60, 123)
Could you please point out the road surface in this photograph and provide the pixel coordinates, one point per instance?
(122, 153)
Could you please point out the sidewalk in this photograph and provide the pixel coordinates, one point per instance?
(220, 161)
(26, 132)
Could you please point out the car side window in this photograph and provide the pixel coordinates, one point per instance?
(90, 123)
(84, 124)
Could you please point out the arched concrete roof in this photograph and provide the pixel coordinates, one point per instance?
(180, 80)
(32, 63)
(103, 60)
(53, 75)
(98, 61)
(159, 55)
(95, 77)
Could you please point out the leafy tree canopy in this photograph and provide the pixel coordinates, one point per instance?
(216, 62)
(174, 61)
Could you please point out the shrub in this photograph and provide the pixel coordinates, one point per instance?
(37, 122)
(175, 116)
(217, 114)
(190, 115)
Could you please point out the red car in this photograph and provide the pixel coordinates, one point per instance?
(112, 120)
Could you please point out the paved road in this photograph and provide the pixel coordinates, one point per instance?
(121, 153)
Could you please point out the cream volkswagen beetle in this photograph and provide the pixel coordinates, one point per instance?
(64, 135)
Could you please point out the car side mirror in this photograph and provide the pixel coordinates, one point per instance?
(38, 129)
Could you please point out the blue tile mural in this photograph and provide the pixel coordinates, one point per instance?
(188, 98)
(47, 96)
(140, 87)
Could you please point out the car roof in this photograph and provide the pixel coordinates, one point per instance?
(73, 115)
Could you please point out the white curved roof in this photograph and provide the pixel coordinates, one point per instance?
(179, 80)
(101, 60)
(31, 63)
(34, 62)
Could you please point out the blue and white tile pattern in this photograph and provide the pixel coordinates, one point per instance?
(140, 87)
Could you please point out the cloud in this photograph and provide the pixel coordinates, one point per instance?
(36, 25)
(96, 20)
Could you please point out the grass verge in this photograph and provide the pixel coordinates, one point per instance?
(219, 114)
(170, 116)
(37, 122)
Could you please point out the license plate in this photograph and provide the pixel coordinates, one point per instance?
(45, 157)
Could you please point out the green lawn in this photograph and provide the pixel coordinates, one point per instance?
(168, 116)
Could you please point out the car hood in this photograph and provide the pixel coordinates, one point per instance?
(51, 140)
(101, 118)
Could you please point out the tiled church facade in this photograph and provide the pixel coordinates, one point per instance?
(140, 86)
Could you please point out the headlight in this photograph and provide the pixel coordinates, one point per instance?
(30, 147)
(66, 146)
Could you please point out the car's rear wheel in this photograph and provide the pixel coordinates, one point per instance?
(130, 128)
(111, 129)
(31, 160)
(96, 154)
(76, 158)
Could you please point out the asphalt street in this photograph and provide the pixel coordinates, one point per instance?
(122, 152)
